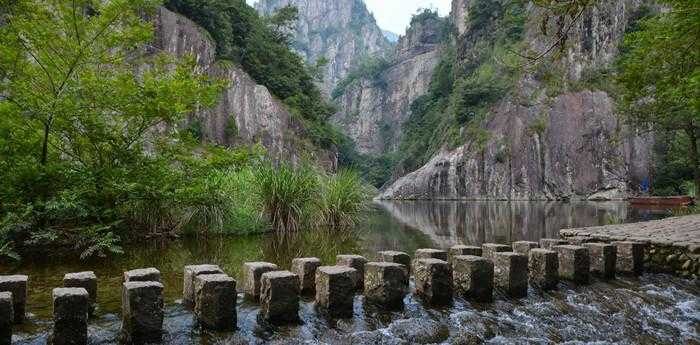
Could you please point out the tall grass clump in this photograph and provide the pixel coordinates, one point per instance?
(286, 194)
(342, 201)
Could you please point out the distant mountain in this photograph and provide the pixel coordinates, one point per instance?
(392, 37)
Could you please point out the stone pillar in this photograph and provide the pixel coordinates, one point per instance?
(395, 257)
(550, 243)
(473, 277)
(305, 269)
(252, 271)
(189, 276)
(544, 268)
(603, 257)
(70, 316)
(489, 250)
(358, 263)
(574, 263)
(17, 285)
(510, 273)
(630, 257)
(215, 301)
(279, 297)
(7, 317)
(335, 290)
(85, 280)
(462, 250)
(429, 253)
(386, 283)
(434, 281)
(142, 312)
(142, 275)
(524, 247)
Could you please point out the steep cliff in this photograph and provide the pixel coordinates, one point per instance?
(246, 113)
(372, 109)
(554, 135)
(342, 31)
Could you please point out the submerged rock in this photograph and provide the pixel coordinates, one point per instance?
(419, 331)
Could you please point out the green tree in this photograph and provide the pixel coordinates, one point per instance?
(86, 113)
(660, 75)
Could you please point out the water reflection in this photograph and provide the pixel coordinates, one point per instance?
(475, 222)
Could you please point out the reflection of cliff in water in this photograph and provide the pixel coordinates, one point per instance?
(452, 222)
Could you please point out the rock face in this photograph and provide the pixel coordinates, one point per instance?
(545, 144)
(373, 111)
(246, 113)
(342, 31)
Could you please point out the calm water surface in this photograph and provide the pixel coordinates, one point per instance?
(653, 309)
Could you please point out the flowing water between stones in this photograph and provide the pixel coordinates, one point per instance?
(652, 309)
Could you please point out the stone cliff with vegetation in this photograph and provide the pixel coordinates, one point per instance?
(246, 112)
(338, 33)
(507, 131)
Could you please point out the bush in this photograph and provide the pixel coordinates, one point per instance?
(342, 199)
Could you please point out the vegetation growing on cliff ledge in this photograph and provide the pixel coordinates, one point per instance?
(262, 47)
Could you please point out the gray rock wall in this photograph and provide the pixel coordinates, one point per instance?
(583, 151)
(244, 105)
(372, 112)
(343, 31)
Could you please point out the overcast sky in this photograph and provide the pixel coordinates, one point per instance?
(395, 15)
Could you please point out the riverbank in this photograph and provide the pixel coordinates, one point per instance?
(672, 244)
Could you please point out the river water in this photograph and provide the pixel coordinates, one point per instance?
(652, 309)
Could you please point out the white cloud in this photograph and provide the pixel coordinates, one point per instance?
(395, 15)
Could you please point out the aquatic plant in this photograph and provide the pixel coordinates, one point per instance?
(285, 193)
(343, 199)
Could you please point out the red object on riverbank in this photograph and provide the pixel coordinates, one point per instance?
(662, 201)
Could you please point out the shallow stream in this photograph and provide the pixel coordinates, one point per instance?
(653, 309)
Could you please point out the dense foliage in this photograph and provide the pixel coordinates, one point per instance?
(261, 47)
(91, 150)
(660, 79)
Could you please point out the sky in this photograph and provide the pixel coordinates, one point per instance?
(395, 15)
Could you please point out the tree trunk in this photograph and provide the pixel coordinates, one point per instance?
(45, 143)
(694, 158)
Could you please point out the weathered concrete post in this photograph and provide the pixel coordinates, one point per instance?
(386, 283)
(543, 267)
(630, 257)
(306, 268)
(603, 257)
(252, 271)
(462, 250)
(189, 276)
(70, 316)
(358, 263)
(473, 277)
(395, 257)
(510, 273)
(524, 247)
(85, 280)
(335, 290)
(489, 250)
(279, 297)
(215, 301)
(574, 263)
(142, 312)
(550, 243)
(7, 318)
(142, 275)
(430, 253)
(433, 281)
(17, 285)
